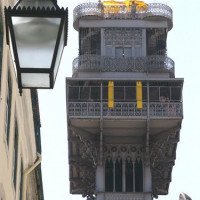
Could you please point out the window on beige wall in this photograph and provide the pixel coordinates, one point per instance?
(21, 180)
(8, 107)
(15, 154)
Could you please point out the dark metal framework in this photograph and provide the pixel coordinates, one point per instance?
(85, 102)
(90, 41)
(155, 10)
(124, 91)
(161, 99)
(156, 42)
(36, 12)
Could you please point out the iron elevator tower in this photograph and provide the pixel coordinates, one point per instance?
(124, 104)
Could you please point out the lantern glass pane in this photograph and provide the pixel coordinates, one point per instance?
(35, 80)
(59, 53)
(35, 40)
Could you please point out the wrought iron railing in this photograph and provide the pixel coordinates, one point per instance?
(96, 63)
(166, 109)
(124, 196)
(124, 109)
(128, 109)
(96, 9)
(84, 109)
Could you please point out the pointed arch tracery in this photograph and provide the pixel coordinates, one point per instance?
(123, 168)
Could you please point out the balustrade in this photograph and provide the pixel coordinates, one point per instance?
(96, 9)
(96, 63)
(124, 109)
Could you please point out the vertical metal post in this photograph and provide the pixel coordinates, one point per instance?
(101, 129)
(147, 160)
(148, 124)
(147, 156)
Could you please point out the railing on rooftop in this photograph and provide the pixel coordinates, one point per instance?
(98, 10)
(125, 109)
(96, 63)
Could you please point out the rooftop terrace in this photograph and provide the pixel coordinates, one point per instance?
(152, 11)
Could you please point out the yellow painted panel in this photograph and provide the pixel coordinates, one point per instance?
(114, 6)
(110, 94)
(139, 94)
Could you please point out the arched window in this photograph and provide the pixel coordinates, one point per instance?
(129, 175)
(118, 175)
(138, 176)
(123, 168)
(109, 175)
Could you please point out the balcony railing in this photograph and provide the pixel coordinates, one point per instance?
(96, 63)
(125, 109)
(122, 196)
(98, 10)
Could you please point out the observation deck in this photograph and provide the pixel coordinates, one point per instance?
(87, 104)
(148, 64)
(154, 11)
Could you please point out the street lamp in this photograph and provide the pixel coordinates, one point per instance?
(36, 33)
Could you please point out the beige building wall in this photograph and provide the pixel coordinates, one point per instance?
(18, 149)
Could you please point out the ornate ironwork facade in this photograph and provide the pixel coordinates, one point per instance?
(96, 9)
(124, 103)
(125, 109)
(96, 63)
(131, 152)
(123, 36)
(162, 154)
(83, 165)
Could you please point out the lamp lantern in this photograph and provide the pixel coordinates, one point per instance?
(37, 34)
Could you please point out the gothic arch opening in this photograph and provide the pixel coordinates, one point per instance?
(138, 175)
(109, 175)
(129, 175)
(118, 175)
(123, 168)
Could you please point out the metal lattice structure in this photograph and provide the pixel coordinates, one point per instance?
(121, 36)
(96, 10)
(124, 104)
(96, 63)
(125, 109)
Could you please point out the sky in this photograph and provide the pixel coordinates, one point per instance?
(183, 47)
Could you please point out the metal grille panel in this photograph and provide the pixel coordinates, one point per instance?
(96, 63)
(96, 9)
(124, 109)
